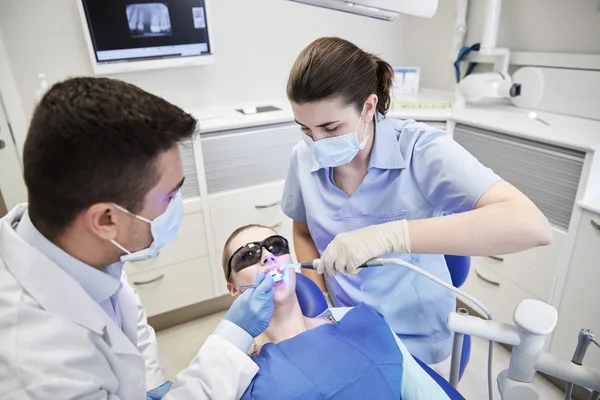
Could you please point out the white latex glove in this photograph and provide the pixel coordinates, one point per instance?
(348, 250)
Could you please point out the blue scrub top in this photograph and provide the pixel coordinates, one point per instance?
(416, 171)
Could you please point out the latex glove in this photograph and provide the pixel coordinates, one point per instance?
(252, 310)
(159, 392)
(348, 250)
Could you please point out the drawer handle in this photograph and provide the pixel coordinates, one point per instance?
(263, 206)
(496, 258)
(486, 279)
(278, 225)
(158, 278)
(595, 225)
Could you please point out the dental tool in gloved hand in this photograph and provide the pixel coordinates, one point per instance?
(159, 392)
(350, 250)
(277, 274)
(314, 264)
(253, 309)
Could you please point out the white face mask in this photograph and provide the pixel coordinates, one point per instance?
(339, 150)
(164, 229)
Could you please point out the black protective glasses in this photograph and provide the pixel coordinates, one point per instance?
(251, 253)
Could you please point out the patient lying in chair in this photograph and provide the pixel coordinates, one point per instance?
(346, 353)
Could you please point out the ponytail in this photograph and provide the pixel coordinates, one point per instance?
(332, 67)
(385, 80)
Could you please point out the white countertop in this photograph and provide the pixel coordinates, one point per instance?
(429, 105)
(591, 205)
(572, 132)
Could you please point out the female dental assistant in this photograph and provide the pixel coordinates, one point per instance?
(390, 188)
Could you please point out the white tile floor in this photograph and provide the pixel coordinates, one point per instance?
(179, 344)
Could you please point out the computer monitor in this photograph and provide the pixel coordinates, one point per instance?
(136, 35)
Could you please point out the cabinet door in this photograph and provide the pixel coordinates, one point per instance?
(548, 175)
(580, 303)
(175, 286)
(190, 242)
(243, 158)
(499, 294)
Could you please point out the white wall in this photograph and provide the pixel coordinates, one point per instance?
(256, 42)
(568, 26)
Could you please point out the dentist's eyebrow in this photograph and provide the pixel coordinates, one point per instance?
(178, 186)
(320, 125)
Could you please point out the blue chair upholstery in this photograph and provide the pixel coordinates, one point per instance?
(459, 267)
(311, 299)
(313, 303)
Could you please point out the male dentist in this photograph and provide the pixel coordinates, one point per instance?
(104, 173)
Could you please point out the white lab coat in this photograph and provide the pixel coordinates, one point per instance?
(57, 343)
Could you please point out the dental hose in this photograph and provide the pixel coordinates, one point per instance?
(313, 264)
(457, 349)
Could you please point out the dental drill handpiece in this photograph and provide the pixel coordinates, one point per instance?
(314, 264)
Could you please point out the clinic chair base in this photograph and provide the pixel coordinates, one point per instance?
(535, 321)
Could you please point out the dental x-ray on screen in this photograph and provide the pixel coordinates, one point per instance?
(122, 31)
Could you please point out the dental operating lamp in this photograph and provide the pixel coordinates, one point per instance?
(387, 10)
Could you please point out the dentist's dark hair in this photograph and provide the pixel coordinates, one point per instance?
(331, 67)
(95, 140)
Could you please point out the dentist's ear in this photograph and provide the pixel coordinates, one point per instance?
(101, 220)
(371, 108)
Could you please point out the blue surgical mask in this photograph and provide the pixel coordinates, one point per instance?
(339, 150)
(164, 229)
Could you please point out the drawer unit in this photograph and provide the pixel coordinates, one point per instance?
(175, 286)
(519, 272)
(246, 206)
(246, 157)
(255, 205)
(189, 244)
(546, 257)
(497, 293)
(578, 308)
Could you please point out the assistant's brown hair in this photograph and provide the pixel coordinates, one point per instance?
(96, 140)
(332, 67)
(227, 253)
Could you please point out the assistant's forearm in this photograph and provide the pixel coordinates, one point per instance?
(306, 250)
(501, 228)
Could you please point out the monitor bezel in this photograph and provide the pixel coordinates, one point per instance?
(146, 65)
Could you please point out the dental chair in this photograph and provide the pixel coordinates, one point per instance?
(313, 303)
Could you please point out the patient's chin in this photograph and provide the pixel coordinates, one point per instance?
(283, 291)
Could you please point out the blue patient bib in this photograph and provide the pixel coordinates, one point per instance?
(356, 359)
